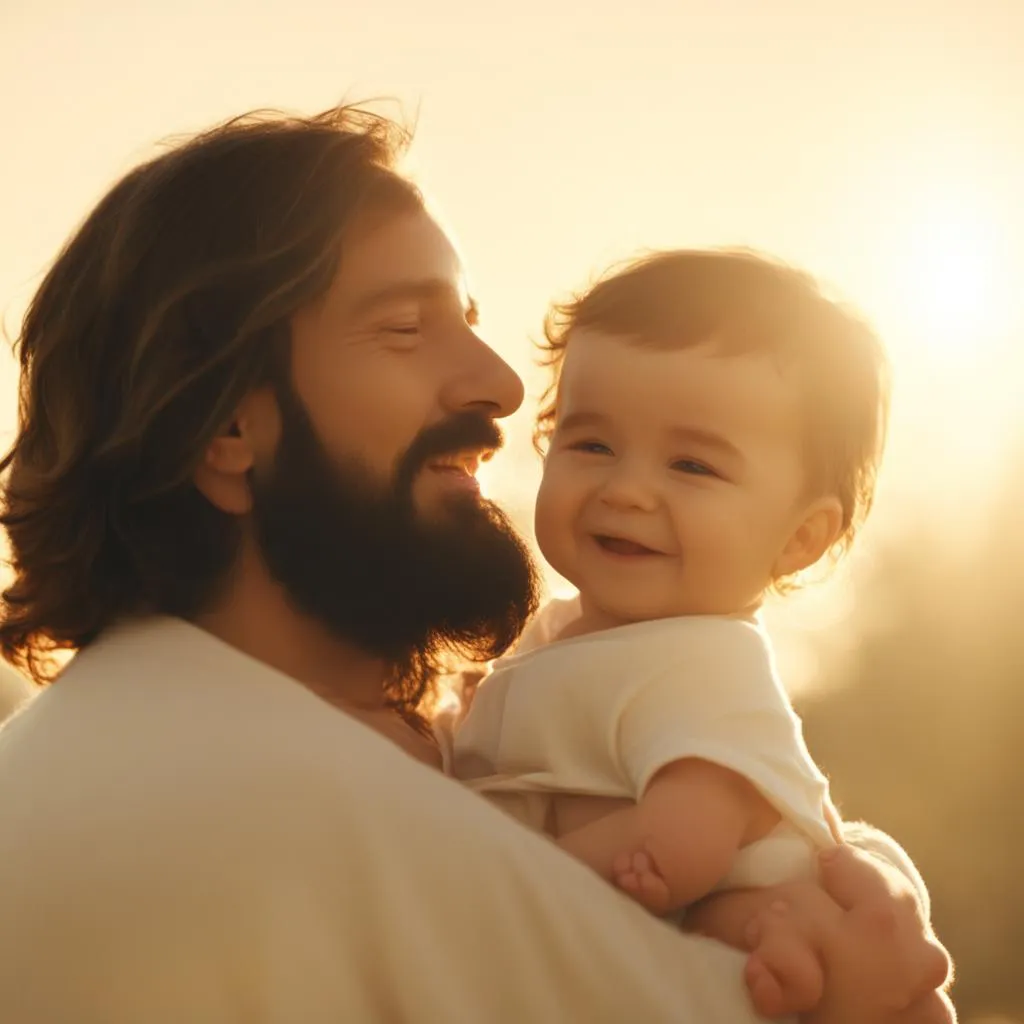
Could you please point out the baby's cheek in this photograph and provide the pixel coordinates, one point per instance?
(729, 565)
(552, 522)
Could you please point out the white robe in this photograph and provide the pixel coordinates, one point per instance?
(187, 835)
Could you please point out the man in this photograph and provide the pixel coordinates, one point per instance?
(252, 406)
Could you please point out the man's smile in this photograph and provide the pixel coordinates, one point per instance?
(459, 469)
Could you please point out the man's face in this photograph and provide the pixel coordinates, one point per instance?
(367, 511)
(391, 351)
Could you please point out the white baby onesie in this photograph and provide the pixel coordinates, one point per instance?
(600, 714)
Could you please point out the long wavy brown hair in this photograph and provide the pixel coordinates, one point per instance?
(169, 303)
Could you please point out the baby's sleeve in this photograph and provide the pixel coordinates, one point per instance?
(717, 698)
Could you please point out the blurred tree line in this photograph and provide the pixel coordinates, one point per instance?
(922, 732)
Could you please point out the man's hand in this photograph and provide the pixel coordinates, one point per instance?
(863, 925)
(785, 972)
(882, 961)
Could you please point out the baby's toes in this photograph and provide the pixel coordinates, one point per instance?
(629, 882)
(654, 893)
(622, 865)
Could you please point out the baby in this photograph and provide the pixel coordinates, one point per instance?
(713, 429)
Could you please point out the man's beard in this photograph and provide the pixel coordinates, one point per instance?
(352, 552)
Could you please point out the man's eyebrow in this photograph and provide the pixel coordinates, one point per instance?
(427, 288)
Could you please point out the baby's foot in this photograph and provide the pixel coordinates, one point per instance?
(637, 875)
(783, 973)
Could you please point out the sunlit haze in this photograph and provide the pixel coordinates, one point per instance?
(881, 150)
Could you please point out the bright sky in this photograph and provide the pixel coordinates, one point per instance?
(884, 151)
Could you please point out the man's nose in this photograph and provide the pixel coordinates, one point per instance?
(483, 381)
(628, 487)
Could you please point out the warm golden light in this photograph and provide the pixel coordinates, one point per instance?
(957, 297)
(878, 145)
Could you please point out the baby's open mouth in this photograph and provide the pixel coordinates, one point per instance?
(621, 546)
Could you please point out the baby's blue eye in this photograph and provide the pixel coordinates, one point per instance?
(594, 447)
(692, 468)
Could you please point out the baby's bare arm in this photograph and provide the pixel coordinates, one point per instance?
(691, 822)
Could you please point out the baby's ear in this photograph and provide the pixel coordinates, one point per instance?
(817, 531)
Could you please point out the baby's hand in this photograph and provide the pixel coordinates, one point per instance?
(638, 876)
(783, 973)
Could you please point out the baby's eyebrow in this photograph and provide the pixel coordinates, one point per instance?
(576, 420)
(707, 438)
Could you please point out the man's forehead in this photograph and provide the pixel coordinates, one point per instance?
(409, 251)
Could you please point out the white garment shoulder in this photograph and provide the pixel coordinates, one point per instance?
(190, 836)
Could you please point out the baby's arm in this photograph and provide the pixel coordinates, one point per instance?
(691, 822)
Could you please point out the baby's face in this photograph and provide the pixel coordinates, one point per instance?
(675, 479)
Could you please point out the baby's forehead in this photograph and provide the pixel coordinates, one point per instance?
(592, 355)
(656, 380)
(590, 352)
(598, 346)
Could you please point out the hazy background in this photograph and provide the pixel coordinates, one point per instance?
(879, 144)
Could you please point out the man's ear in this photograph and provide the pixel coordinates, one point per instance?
(223, 474)
(818, 529)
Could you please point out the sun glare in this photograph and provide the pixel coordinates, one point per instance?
(956, 280)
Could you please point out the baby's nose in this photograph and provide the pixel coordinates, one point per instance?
(629, 489)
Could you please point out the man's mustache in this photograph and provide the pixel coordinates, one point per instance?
(448, 437)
